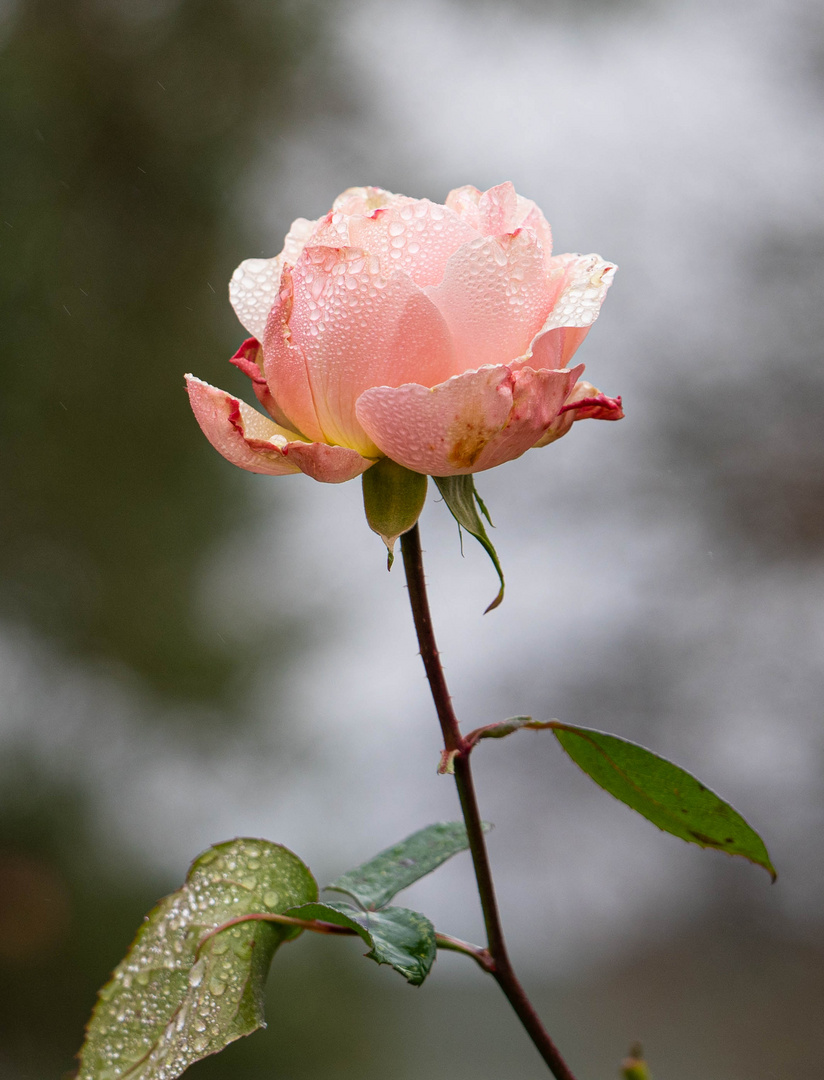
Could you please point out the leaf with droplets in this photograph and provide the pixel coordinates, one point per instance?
(193, 980)
(374, 883)
(665, 794)
(397, 936)
(463, 501)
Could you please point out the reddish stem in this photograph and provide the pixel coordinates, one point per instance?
(501, 967)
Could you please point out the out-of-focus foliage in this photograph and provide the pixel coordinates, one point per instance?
(126, 129)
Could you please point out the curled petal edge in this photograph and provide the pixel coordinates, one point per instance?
(584, 403)
(255, 443)
(249, 360)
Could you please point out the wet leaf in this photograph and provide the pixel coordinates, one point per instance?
(463, 501)
(662, 792)
(397, 936)
(181, 994)
(374, 883)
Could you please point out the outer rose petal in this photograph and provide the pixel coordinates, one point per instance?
(254, 443)
(472, 422)
(495, 298)
(328, 464)
(582, 283)
(223, 421)
(254, 285)
(584, 403)
(342, 328)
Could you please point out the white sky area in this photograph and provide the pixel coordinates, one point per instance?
(663, 137)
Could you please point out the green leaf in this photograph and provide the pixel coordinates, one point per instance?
(374, 883)
(663, 793)
(393, 498)
(183, 991)
(463, 501)
(396, 936)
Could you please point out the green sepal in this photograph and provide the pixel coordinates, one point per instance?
(374, 883)
(397, 936)
(190, 985)
(634, 1067)
(665, 794)
(393, 498)
(463, 501)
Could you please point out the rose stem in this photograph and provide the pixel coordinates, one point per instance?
(501, 968)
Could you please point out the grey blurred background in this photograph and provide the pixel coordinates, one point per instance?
(189, 652)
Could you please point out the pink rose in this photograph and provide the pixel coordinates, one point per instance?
(437, 336)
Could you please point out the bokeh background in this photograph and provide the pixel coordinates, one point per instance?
(189, 652)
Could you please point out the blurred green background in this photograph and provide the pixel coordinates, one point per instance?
(180, 663)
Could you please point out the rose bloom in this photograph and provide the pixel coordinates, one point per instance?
(437, 336)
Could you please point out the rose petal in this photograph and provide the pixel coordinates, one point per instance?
(249, 358)
(469, 423)
(339, 327)
(364, 200)
(238, 431)
(581, 282)
(415, 236)
(252, 292)
(500, 210)
(254, 443)
(328, 464)
(495, 298)
(255, 284)
(464, 201)
(584, 403)
(350, 207)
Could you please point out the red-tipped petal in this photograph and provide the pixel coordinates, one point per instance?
(239, 432)
(249, 358)
(584, 403)
(255, 443)
(469, 423)
(596, 406)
